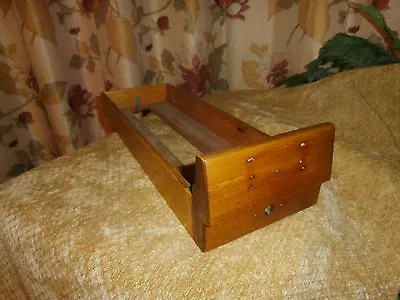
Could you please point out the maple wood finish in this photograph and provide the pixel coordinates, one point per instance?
(238, 184)
(243, 180)
(152, 139)
(198, 135)
(169, 182)
(229, 128)
(139, 98)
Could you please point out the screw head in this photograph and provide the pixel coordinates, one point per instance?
(251, 159)
(269, 209)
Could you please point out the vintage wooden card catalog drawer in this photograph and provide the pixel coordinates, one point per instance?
(243, 179)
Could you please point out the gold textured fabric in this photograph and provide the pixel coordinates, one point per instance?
(91, 224)
(57, 56)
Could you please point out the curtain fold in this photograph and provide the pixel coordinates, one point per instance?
(56, 56)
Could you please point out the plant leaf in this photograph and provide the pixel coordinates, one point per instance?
(76, 61)
(139, 14)
(167, 60)
(377, 18)
(7, 83)
(17, 169)
(286, 4)
(159, 78)
(94, 44)
(39, 103)
(121, 37)
(36, 17)
(351, 52)
(259, 50)
(216, 61)
(91, 65)
(220, 85)
(293, 81)
(179, 5)
(314, 18)
(375, 39)
(374, 13)
(35, 148)
(193, 8)
(189, 25)
(72, 117)
(83, 48)
(275, 6)
(52, 93)
(148, 77)
(154, 64)
(343, 52)
(60, 18)
(250, 74)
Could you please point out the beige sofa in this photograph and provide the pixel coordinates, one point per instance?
(91, 225)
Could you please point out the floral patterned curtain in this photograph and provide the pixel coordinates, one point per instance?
(56, 56)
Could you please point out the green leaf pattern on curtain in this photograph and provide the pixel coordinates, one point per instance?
(57, 56)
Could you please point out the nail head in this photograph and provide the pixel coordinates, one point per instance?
(251, 159)
(268, 210)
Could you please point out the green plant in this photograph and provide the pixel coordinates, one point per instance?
(346, 52)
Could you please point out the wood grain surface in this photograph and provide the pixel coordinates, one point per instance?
(243, 180)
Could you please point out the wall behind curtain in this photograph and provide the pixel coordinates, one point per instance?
(56, 56)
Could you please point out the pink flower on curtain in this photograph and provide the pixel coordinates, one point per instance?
(81, 101)
(381, 4)
(163, 22)
(353, 29)
(108, 85)
(74, 30)
(197, 79)
(31, 81)
(278, 72)
(233, 8)
(148, 47)
(25, 117)
(90, 5)
(9, 139)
